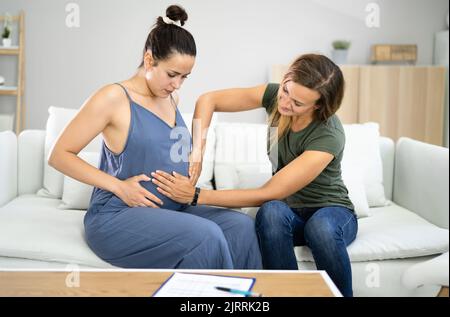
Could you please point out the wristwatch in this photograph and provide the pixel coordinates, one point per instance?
(197, 192)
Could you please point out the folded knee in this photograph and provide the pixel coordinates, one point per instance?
(211, 232)
(273, 214)
(321, 231)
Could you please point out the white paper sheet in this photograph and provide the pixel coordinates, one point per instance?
(202, 285)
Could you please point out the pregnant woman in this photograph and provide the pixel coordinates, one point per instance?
(129, 223)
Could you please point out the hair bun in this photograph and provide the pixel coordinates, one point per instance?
(177, 13)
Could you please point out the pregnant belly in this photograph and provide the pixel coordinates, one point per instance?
(168, 167)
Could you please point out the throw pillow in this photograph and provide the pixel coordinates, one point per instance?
(77, 195)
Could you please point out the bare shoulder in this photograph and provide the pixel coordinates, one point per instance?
(106, 98)
(104, 104)
(96, 114)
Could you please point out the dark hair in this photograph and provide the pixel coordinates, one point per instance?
(165, 39)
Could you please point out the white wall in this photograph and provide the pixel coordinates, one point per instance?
(237, 42)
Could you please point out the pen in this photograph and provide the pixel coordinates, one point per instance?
(237, 291)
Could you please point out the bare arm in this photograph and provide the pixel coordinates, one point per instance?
(91, 120)
(227, 100)
(292, 178)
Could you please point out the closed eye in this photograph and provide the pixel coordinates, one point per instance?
(175, 75)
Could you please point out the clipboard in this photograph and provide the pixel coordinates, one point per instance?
(202, 285)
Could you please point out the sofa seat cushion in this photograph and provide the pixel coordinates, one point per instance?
(33, 227)
(391, 232)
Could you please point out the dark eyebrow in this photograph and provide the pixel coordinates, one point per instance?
(178, 72)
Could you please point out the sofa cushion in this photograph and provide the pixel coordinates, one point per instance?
(355, 186)
(57, 121)
(362, 154)
(241, 159)
(391, 232)
(33, 227)
(77, 195)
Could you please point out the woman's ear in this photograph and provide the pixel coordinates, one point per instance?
(149, 62)
(316, 107)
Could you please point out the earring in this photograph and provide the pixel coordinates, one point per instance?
(148, 76)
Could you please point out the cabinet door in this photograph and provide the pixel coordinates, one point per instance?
(348, 111)
(405, 101)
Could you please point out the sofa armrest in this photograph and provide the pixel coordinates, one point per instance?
(8, 166)
(431, 272)
(31, 143)
(421, 180)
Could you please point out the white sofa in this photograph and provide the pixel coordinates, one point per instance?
(412, 229)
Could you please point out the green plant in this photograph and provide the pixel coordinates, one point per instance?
(6, 26)
(6, 32)
(341, 45)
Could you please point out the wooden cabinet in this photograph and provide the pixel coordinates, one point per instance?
(404, 100)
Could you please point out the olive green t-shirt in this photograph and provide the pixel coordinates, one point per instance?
(327, 189)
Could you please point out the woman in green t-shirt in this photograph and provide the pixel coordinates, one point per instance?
(306, 201)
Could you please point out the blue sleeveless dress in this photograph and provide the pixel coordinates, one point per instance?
(175, 235)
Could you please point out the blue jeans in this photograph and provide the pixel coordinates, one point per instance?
(327, 231)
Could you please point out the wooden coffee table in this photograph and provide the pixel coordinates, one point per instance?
(144, 283)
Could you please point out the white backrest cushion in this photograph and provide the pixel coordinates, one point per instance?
(362, 153)
(31, 144)
(57, 121)
(207, 174)
(387, 152)
(77, 195)
(353, 180)
(241, 159)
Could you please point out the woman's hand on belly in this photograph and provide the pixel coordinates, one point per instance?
(177, 187)
(134, 195)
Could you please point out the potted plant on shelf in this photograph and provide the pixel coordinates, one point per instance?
(6, 35)
(340, 51)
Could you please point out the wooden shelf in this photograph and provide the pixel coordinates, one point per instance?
(8, 90)
(12, 50)
(16, 50)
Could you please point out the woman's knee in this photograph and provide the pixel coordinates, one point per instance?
(321, 230)
(323, 227)
(273, 219)
(209, 231)
(241, 223)
(273, 213)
